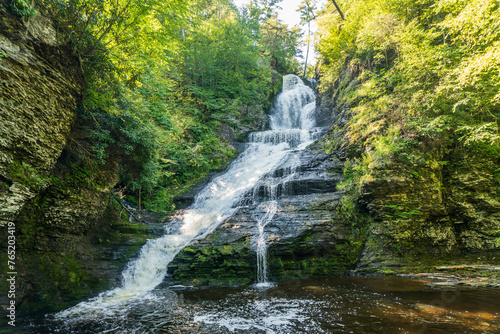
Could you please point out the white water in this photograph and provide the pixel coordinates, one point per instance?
(292, 121)
(270, 210)
(292, 129)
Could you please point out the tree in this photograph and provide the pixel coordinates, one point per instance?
(161, 78)
(307, 9)
(281, 43)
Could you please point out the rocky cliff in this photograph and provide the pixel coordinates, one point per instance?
(41, 87)
(442, 210)
(433, 201)
(434, 204)
(69, 243)
(73, 238)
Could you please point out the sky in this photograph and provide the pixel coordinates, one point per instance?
(289, 15)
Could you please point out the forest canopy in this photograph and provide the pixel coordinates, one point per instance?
(407, 74)
(164, 77)
(427, 59)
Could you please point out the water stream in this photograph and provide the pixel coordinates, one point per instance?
(360, 305)
(270, 209)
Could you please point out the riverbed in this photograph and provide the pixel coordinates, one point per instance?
(387, 304)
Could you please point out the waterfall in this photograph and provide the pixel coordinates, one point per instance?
(292, 129)
(270, 210)
(293, 122)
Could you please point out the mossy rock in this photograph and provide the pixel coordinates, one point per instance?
(228, 264)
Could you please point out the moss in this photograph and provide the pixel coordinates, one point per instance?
(50, 276)
(310, 258)
(218, 265)
(27, 176)
(386, 271)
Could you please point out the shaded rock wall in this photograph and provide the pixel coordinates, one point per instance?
(69, 242)
(438, 203)
(41, 85)
(447, 209)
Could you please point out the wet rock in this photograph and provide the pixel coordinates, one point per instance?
(306, 237)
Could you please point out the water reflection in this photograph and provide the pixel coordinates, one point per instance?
(333, 305)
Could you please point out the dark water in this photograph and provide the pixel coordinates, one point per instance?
(333, 305)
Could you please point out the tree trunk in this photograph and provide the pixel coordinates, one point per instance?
(307, 53)
(338, 10)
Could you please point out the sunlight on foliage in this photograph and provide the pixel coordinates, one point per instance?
(163, 77)
(409, 73)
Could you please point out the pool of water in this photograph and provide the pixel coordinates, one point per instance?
(329, 305)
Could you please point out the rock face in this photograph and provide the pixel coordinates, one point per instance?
(41, 85)
(68, 242)
(436, 202)
(446, 208)
(306, 236)
(438, 205)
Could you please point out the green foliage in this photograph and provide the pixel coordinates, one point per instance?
(417, 82)
(223, 65)
(278, 42)
(483, 138)
(412, 72)
(281, 44)
(28, 176)
(23, 8)
(307, 10)
(402, 211)
(163, 76)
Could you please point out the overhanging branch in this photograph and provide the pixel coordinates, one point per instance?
(338, 10)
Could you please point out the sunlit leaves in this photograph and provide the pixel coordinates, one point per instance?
(434, 60)
(378, 36)
(162, 76)
(281, 43)
(307, 10)
(223, 63)
(474, 23)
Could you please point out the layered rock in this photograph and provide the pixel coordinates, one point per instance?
(442, 210)
(41, 87)
(430, 202)
(68, 242)
(306, 237)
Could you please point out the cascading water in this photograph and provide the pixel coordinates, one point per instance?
(272, 163)
(270, 210)
(292, 129)
(293, 122)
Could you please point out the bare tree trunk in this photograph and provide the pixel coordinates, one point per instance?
(338, 10)
(127, 210)
(307, 53)
(139, 198)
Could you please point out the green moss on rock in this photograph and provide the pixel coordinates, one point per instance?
(216, 265)
(305, 257)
